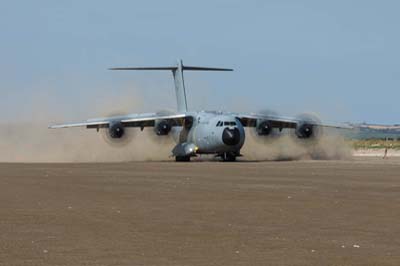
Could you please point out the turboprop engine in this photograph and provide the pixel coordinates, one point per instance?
(305, 131)
(116, 134)
(264, 128)
(162, 127)
(308, 127)
(116, 130)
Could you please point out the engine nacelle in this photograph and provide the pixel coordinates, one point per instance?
(306, 131)
(264, 128)
(116, 130)
(162, 128)
(308, 127)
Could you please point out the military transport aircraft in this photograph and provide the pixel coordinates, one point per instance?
(201, 132)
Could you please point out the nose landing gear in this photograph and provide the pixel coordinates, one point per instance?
(229, 156)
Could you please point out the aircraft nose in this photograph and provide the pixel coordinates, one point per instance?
(231, 136)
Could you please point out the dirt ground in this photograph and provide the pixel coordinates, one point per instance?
(201, 213)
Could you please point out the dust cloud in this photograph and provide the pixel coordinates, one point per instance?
(330, 146)
(27, 139)
(35, 143)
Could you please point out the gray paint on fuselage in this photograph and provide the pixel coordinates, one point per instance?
(207, 136)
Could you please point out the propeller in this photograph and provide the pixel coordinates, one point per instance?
(263, 131)
(308, 129)
(163, 131)
(116, 134)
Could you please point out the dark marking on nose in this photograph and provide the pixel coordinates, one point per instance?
(231, 136)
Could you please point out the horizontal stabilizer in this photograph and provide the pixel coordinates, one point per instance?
(177, 72)
(144, 68)
(174, 68)
(206, 68)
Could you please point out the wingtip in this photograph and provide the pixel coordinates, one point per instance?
(52, 127)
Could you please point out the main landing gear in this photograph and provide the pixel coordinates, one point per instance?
(182, 158)
(228, 156)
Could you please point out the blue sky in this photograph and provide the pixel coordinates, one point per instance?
(340, 59)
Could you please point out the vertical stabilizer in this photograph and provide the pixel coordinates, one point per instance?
(180, 91)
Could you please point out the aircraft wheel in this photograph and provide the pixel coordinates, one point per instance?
(182, 158)
(229, 157)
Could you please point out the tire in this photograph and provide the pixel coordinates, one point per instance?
(228, 157)
(182, 158)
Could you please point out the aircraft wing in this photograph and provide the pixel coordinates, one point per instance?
(250, 120)
(132, 120)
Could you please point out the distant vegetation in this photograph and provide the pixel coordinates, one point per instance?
(376, 132)
(375, 144)
(368, 136)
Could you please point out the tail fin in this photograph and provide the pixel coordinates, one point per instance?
(177, 72)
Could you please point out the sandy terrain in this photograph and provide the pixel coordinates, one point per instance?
(202, 213)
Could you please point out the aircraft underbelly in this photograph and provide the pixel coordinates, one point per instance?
(209, 140)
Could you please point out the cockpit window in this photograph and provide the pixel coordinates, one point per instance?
(225, 123)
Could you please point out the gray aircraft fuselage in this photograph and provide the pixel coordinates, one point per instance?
(212, 132)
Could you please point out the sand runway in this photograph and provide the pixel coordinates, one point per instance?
(202, 213)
